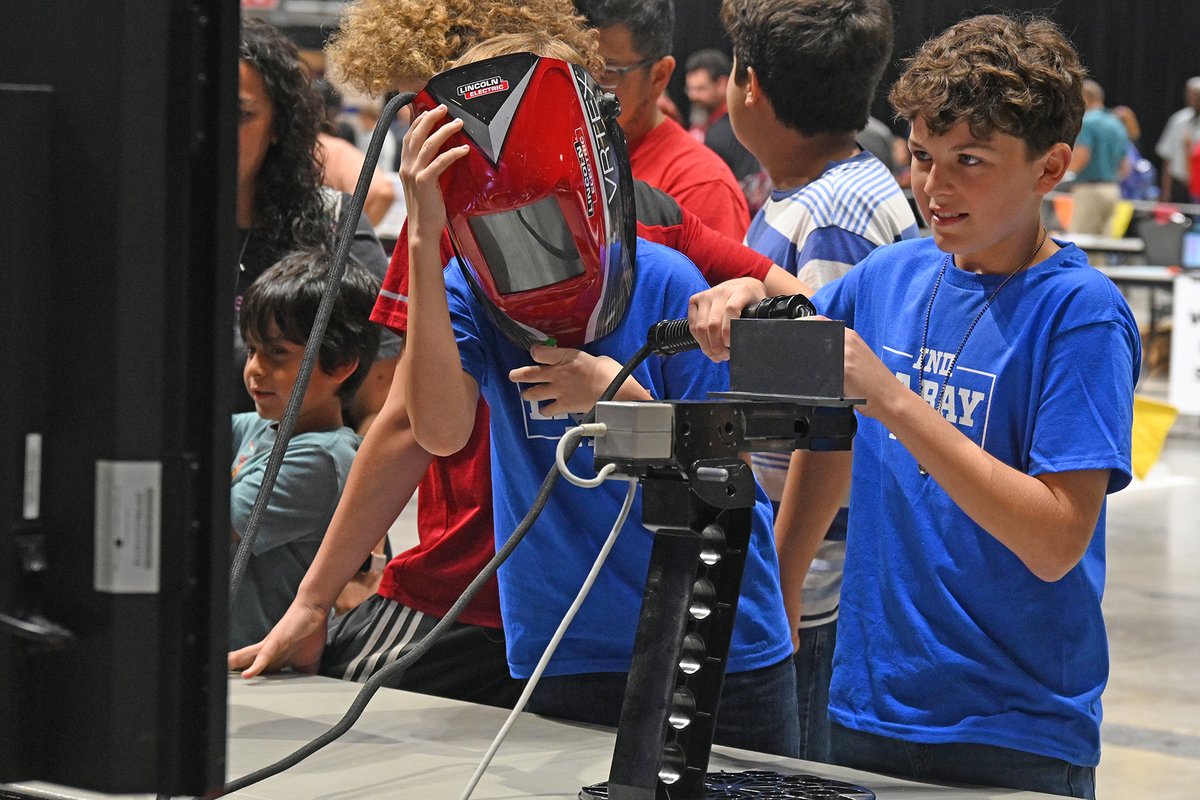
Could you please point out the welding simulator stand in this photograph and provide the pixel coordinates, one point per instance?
(698, 499)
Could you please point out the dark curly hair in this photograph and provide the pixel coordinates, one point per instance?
(1015, 75)
(289, 293)
(290, 211)
(818, 61)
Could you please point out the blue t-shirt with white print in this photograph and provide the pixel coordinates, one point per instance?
(541, 578)
(944, 635)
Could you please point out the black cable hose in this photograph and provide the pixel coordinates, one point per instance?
(670, 337)
(380, 678)
(333, 284)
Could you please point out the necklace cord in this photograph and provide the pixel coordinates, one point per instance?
(921, 354)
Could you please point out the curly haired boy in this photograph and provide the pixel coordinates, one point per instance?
(998, 371)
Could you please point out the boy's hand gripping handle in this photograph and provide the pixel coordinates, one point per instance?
(668, 337)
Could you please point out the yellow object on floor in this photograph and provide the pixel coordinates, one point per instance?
(1152, 420)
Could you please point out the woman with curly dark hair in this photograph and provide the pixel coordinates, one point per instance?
(279, 182)
(281, 205)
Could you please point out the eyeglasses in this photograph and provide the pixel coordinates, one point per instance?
(612, 75)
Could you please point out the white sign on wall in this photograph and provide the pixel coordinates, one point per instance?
(1185, 346)
(128, 527)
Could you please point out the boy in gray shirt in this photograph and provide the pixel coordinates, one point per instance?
(276, 317)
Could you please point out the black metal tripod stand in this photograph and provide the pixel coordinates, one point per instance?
(698, 496)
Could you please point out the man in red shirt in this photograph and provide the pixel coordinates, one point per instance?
(635, 41)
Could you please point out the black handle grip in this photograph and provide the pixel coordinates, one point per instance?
(785, 306)
(671, 336)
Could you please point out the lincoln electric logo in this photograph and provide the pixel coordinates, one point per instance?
(589, 183)
(487, 86)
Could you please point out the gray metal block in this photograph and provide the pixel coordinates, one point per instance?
(788, 357)
(636, 431)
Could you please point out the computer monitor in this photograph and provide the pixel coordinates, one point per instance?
(1164, 241)
(117, 155)
(1191, 248)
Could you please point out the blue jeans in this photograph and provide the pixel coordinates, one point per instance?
(814, 669)
(755, 711)
(978, 764)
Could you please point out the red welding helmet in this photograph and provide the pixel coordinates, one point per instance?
(540, 211)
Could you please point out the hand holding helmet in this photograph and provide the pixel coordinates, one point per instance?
(422, 164)
(569, 380)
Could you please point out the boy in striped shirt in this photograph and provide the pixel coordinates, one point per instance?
(804, 75)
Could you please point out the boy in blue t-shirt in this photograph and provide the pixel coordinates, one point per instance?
(998, 369)
(522, 279)
(275, 319)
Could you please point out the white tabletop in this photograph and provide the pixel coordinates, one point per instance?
(415, 746)
(1103, 244)
(1137, 273)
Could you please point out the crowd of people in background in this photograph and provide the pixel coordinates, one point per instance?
(1179, 148)
(706, 72)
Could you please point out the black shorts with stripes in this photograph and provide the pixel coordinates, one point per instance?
(467, 663)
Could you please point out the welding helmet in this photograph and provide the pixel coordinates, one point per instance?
(540, 212)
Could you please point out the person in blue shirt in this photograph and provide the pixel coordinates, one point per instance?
(998, 370)
(1140, 179)
(537, 204)
(1099, 161)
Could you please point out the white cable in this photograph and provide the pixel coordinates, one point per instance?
(567, 439)
(555, 639)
